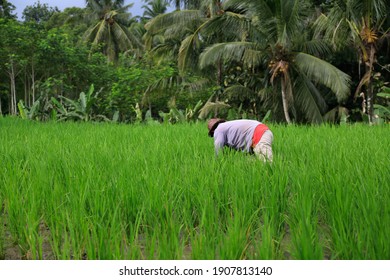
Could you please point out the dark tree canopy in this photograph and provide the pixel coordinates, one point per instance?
(39, 13)
(7, 10)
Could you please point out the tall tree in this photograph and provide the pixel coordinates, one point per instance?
(71, 20)
(6, 10)
(274, 36)
(110, 29)
(154, 8)
(178, 33)
(358, 23)
(13, 56)
(177, 36)
(39, 13)
(185, 4)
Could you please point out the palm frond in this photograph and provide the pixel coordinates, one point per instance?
(333, 28)
(324, 73)
(239, 90)
(110, 46)
(173, 26)
(230, 24)
(376, 9)
(195, 86)
(127, 38)
(283, 37)
(163, 21)
(271, 101)
(100, 32)
(210, 107)
(187, 51)
(124, 9)
(334, 115)
(258, 8)
(316, 47)
(245, 52)
(89, 35)
(293, 12)
(94, 5)
(175, 32)
(309, 100)
(163, 51)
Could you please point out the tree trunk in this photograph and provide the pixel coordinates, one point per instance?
(13, 73)
(26, 91)
(285, 101)
(33, 91)
(370, 90)
(33, 82)
(219, 83)
(12, 76)
(370, 103)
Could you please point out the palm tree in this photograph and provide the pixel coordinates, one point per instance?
(186, 4)
(166, 32)
(154, 8)
(176, 36)
(358, 23)
(180, 34)
(111, 28)
(273, 37)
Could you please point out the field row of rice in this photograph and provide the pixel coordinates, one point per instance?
(104, 191)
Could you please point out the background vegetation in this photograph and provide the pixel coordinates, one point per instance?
(304, 61)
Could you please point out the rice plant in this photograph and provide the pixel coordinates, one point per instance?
(105, 191)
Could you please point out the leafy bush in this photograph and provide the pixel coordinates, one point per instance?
(382, 109)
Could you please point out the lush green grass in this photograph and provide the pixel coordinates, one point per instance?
(101, 191)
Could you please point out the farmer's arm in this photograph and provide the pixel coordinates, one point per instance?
(219, 142)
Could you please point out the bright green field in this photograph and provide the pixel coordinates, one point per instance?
(104, 191)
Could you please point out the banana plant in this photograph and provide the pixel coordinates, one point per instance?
(193, 113)
(28, 113)
(179, 116)
(382, 111)
(79, 110)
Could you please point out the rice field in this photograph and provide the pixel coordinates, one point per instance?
(105, 191)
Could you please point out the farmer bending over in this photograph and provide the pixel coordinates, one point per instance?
(242, 135)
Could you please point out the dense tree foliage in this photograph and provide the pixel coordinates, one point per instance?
(39, 13)
(299, 61)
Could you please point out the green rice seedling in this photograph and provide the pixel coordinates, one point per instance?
(234, 244)
(16, 211)
(2, 229)
(303, 224)
(104, 191)
(268, 241)
(205, 232)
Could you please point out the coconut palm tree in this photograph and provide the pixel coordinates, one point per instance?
(176, 36)
(180, 35)
(110, 28)
(185, 4)
(166, 32)
(358, 23)
(274, 39)
(154, 8)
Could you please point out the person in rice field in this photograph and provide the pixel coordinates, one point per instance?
(243, 135)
